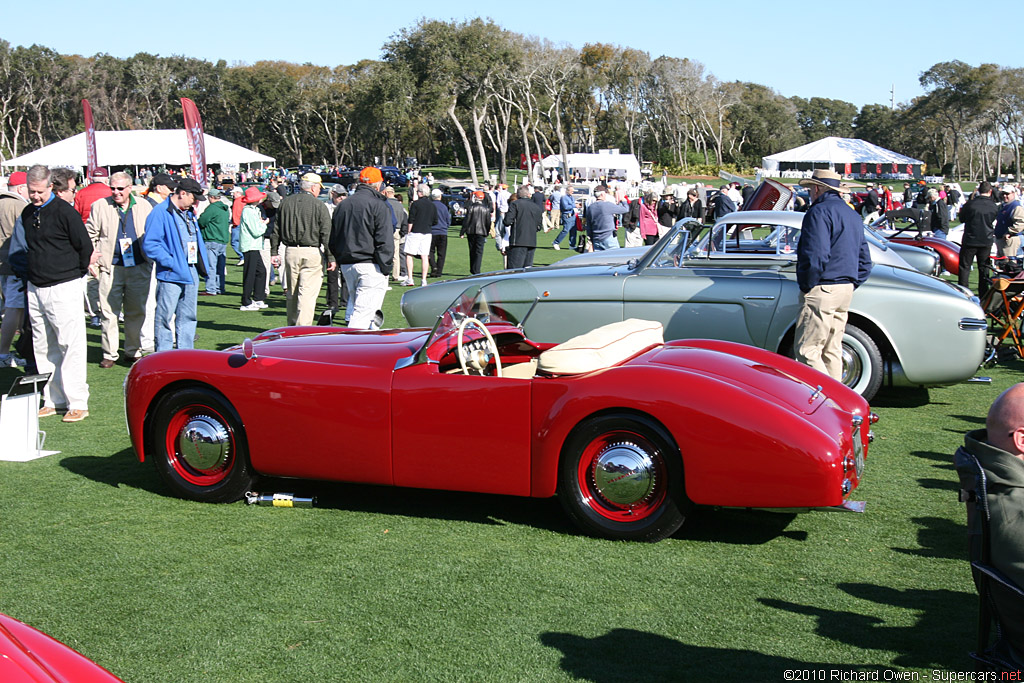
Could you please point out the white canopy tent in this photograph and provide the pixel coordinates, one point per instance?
(848, 156)
(593, 166)
(123, 148)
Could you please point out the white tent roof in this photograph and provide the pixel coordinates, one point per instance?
(601, 164)
(833, 150)
(137, 148)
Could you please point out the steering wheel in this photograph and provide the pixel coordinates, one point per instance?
(478, 359)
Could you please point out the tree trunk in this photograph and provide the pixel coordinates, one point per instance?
(465, 142)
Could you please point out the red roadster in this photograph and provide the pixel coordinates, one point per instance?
(31, 656)
(630, 431)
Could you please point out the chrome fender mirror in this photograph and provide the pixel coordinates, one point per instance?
(247, 349)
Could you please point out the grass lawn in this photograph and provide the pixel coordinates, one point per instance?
(392, 584)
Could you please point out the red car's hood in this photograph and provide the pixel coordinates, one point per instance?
(751, 376)
(30, 656)
(338, 344)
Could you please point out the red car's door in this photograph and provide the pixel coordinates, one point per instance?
(460, 432)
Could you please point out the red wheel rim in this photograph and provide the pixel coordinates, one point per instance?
(200, 445)
(618, 457)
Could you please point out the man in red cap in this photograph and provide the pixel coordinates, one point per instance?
(11, 203)
(97, 189)
(363, 242)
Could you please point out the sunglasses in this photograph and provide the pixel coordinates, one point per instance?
(119, 189)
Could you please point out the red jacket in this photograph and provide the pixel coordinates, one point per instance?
(89, 194)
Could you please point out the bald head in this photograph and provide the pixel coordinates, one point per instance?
(1005, 421)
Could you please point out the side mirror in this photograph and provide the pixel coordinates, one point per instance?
(247, 349)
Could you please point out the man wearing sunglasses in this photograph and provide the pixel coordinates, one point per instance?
(116, 225)
(59, 252)
(1009, 222)
(173, 241)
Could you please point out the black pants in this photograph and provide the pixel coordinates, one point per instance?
(335, 285)
(650, 239)
(253, 274)
(476, 252)
(520, 257)
(967, 256)
(438, 252)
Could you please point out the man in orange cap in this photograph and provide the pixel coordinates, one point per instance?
(362, 241)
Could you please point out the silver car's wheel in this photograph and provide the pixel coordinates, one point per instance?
(862, 362)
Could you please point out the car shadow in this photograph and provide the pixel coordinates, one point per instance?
(117, 470)
(939, 537)
(739, 527)
(900, 397)
(625, 654)
(928, 642)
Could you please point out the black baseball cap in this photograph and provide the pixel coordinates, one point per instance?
(165, 180)
(189, 185)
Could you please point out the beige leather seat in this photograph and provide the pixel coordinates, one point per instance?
(601, 348)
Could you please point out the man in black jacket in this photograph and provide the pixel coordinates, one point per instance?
(362, 241)
(979, 218)
(525, 218)
(475, 227)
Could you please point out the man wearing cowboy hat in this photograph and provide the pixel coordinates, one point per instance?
(832, 260)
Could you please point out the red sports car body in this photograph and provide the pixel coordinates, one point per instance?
(914, 235)
(31, 656)
(629, 437)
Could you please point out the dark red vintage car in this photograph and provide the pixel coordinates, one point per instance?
(913, 233)
(31, 656)
(629, 431)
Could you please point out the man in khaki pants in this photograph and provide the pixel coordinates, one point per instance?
(304, 227)
(832, 260)
(116, 225)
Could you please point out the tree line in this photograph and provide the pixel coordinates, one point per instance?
(474, 94)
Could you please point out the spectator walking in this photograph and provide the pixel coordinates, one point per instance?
(12, 203)
(524, 220)
(175, 244)
(475, 227)
(567, 208)
(939, 214)
(59, 253)
(363, 242)
(402, 229)
(1009, 222)
(439, 235)
(978, 216)
(832, 260)
(601, 219)
(251, 236)
(304, 226)
(116, 226)
(422, 215)
(215, 224)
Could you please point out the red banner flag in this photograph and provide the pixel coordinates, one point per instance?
(910, 169)
(522, 161)
(863, 169)
(849, 169)
(196, 140)
(878, 169)
(90, 140)
(895, 168)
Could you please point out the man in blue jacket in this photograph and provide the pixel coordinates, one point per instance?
(174, 243)
(832, 260)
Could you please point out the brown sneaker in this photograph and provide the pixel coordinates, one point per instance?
(47, 411)
(106, 363)
(75, 415)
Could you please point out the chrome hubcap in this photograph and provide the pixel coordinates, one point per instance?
(852, 368)
(204, 443)
(624, 474)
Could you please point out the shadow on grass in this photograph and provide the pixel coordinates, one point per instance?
(938, 484)
(629, 655)
(740, 527)
(971, 419)
(944, 460)
(901, 397)
(930, 642)
(117, 470)
(939, 537)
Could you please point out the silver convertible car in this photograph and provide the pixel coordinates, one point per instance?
(738, 283)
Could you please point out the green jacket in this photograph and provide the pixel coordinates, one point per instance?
(250, 237)
(1004, 475)
(302, 221)
(215, 222)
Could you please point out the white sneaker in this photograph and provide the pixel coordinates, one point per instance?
(9, 360)
(408, 282)
(260, 304)
(250, 307)
(423, 283)
(556, 247)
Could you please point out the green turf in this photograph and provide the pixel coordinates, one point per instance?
(388, 585)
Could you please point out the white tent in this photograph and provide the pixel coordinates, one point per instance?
(593, 166)
(122, 148)
(844, 155)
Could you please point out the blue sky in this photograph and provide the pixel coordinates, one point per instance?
(849, 51)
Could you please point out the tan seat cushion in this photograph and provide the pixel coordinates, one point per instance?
(601, 348)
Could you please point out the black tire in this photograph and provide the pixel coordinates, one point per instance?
(648, 504)
(862, 362)
(199, 446)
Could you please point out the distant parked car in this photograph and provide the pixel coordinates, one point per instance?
(918, 234)
(394, 177)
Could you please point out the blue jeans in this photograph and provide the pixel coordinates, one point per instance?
(608, 242)
(568, 228)
(236, 244)
(217, 261)
(178, 301)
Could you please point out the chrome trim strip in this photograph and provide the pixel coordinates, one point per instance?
(759, 297)
(980, 380)
(972, 324)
